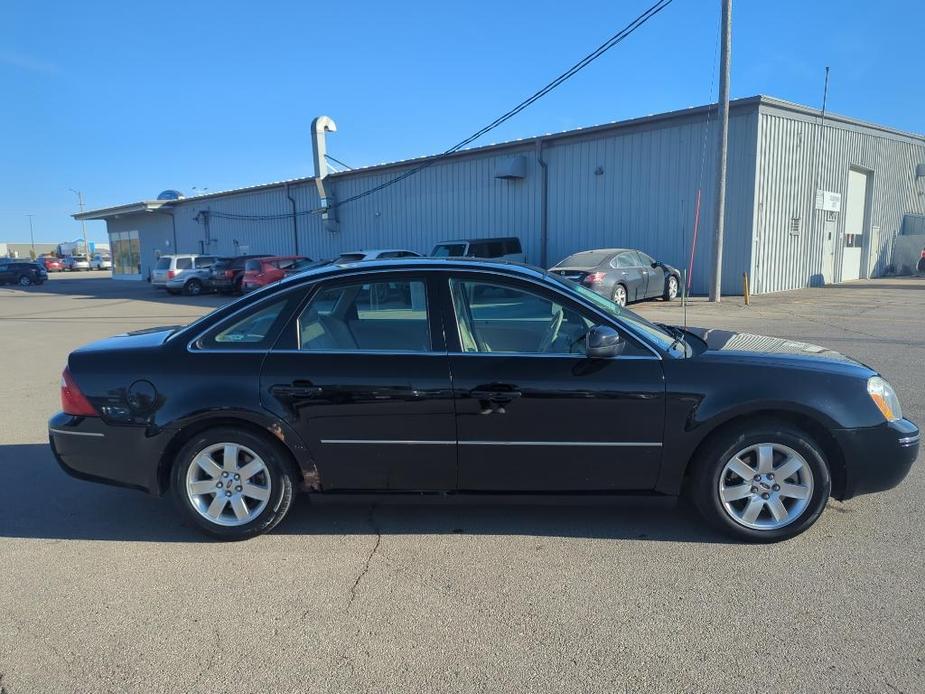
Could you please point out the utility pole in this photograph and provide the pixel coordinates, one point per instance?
(726, 50)
(83, 224)
(31, 235)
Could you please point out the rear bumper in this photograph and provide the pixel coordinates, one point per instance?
(877, 458)
(89, 449)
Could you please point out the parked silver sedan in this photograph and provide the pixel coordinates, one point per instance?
(621, 274)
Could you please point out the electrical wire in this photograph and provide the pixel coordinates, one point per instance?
(338, 161)
(617, 38)
(577, 67)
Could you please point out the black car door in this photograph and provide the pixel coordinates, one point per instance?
(5, 274)
(533, 413)
(362, 374)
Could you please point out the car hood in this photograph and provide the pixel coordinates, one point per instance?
(137, 339)
(769, 348)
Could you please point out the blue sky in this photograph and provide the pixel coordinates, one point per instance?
(124, 99)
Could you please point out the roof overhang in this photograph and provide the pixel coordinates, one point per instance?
(119, 210)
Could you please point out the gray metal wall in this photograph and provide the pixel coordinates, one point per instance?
(643, 197)
(785, 190)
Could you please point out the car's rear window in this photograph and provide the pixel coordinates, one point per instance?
(587, 259)
(163, 263)
(252, 266)
(449, 250)
(350, 258)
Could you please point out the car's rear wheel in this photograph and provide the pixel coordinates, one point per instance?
(25, 280)
(619, 295)
(671, 288)
(232, 484)
(761, 481)
(193, 288)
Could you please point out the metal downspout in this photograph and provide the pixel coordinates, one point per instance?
(295, 221)
(544, 211)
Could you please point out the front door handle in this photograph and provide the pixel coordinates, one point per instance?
(496, 395)
(296, 389)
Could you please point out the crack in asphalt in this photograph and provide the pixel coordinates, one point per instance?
(369, 558)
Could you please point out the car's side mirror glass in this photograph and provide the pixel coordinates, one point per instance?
(655, 263)
(602, 341)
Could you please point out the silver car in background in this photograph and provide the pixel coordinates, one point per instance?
(101, 261)
(621, 274)
(194, 280)
(76, 262)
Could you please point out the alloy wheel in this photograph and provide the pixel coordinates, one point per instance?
(25, 281)
(765, 486)
(672, 287)
(228, 484)
(619, 295)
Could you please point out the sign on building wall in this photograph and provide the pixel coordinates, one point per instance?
(828, 200)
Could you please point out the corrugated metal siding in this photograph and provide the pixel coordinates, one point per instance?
(785, 190)
(646, 196)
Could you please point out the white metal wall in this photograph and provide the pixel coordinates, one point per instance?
(787, 142)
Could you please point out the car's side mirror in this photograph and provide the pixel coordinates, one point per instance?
(602, 341)
(656, 263)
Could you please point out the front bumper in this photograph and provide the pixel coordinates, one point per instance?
(90, 449)
(877, 458)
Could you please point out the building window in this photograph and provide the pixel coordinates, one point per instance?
(126, 253)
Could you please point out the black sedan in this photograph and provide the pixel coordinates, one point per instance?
(22, 272)
(621, 274)
(467, 378)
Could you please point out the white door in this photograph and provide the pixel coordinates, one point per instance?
(855, 224)
(829, 230)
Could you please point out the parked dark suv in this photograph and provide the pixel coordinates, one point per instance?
(21, 272)
(228, 273)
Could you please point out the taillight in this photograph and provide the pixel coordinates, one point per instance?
(594, 278)
(72, 400)
(171, 274)
(229, 274)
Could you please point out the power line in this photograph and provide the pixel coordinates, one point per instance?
(577, 67)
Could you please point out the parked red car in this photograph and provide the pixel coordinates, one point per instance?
(259, 272)
(51, 263)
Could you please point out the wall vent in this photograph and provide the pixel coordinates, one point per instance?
(511, 168)
(795, 224)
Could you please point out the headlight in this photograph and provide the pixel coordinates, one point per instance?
(884, 398)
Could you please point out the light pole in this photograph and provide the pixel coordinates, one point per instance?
(31, 235)
(83, 224)
(717, 278)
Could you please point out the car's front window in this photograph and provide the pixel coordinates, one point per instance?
(653, 332)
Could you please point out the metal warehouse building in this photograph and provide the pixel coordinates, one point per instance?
(809, 200)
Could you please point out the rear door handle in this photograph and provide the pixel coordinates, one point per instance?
(297, 389)
(496, 395)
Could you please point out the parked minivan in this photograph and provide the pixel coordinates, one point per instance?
(169, 266)
(507, 247)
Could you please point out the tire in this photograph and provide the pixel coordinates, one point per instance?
(619, 295)
(24, 281)
(192, 288)
(671, 288)
(273, 482)
(237, 290)
(789, 446)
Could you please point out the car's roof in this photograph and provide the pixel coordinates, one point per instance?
(480, 240)
(420, 263)
(374, 251)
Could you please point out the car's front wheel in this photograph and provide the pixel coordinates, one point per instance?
(761, 481)
(231, 483)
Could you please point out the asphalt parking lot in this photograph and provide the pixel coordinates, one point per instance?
(103, 589)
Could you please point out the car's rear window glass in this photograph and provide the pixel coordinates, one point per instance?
(252, 266)
(512, 246)
(449, 250)
(252, 330)
(163, 264)
(586, 259)
(378, 316)
(349, 258)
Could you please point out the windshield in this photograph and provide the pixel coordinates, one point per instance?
(654, 333)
